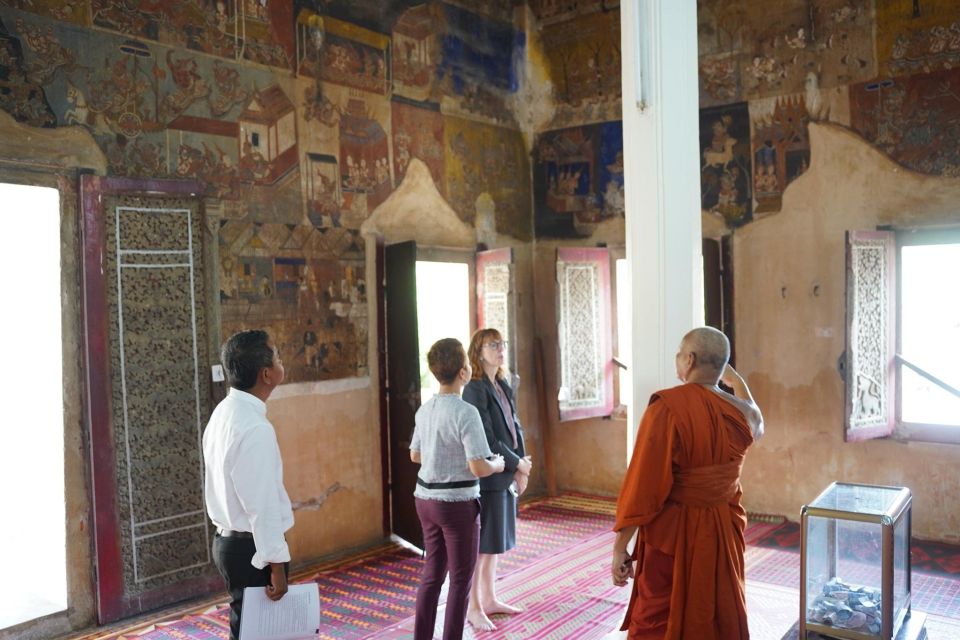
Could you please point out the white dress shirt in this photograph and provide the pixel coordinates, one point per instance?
(244, 476)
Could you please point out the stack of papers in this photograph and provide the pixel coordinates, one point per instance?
(295, 616)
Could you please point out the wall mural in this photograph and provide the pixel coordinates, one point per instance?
(159, 113)
(305, 286)
(913, 119)
(256, 30)
(417, 133)
(917, 36)
(374, 15)
(781, 148)
(21, 95)
(725, 184)
(476, 71)
(753, 48)
(584, 59)
(578, 179)
(164, 111)
(416, 51)
(297, 151)
(364, 154)
(484, 159)
(353, 57)
(551, 11)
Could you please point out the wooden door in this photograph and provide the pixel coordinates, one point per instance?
(403, 385)
(712, 283)
(718, 287)
(147, 395)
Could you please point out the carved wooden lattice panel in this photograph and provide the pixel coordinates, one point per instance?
(870, 346)
(583, 304)
(159, 400)
(494, 297)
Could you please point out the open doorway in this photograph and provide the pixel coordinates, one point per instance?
(428, 294)
(443, 311)
(32, 474)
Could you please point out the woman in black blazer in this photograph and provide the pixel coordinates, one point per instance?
(490, 393)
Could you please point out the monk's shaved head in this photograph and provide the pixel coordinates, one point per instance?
(710, 346)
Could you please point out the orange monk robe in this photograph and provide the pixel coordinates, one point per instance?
(682, 490)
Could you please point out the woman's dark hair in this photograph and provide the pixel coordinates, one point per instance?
(446, 358)
(244, 355)
(475, 352)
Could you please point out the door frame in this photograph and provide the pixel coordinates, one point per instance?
(423, 253)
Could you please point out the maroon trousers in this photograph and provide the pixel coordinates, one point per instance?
(451, 539)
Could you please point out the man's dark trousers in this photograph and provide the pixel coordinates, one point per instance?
(232, 557)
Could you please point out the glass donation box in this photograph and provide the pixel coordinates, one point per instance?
(855, 562)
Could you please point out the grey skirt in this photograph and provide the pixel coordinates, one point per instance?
(498, 521)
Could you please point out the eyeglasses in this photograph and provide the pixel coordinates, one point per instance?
(496, 346)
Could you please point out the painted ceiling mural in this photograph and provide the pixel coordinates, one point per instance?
(289, 114)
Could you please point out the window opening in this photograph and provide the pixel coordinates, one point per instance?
(929, 334)
(32, 472)
(443, 311)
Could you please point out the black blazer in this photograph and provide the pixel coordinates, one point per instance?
(481, 394)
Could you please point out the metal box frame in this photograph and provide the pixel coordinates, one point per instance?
(900, 507)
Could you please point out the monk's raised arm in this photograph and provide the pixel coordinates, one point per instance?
(743, 400)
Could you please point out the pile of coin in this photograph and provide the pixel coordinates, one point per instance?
(846, 606)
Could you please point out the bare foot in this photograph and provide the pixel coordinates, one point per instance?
(501, 607)
(479, 620)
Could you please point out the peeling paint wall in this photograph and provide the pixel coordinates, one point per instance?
(330, 442)
(789, 338)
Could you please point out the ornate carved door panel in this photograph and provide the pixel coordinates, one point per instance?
(148, 396)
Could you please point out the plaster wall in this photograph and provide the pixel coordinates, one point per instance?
(789, 336)
(330, 443)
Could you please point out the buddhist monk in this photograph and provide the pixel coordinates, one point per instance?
(681, 496)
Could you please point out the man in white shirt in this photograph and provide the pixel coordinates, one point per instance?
(244, 489)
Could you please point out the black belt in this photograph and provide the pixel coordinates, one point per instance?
(227, 533)
(458, 484)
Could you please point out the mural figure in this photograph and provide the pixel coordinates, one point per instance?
(21, 96)
(415, 52)
(725, 174)
(578, 180)
(912, 119)
(324, 197)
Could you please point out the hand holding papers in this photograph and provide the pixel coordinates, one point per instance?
(296, 616)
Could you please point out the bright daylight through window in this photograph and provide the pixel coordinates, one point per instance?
(32, 504)
(443, 311)
(930, 334)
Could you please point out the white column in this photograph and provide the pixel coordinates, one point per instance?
(662, 187)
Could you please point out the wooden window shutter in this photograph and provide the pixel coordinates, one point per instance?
(869, 372)
(495, 306)
(584, 329)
